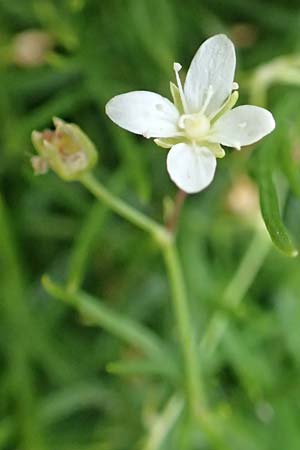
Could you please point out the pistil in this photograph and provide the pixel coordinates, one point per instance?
(195, 126)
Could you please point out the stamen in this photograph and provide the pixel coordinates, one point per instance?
(227, 106)
(177, 67)
(209, 94)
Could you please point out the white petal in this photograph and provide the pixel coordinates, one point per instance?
(212, 70)
(191, 168)
(243, 125)
(145, 113)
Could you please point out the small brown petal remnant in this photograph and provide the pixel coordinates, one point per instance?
(244, 35)
(30, 47)
(242, 199)
(39, 165)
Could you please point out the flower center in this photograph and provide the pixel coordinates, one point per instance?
(195, 126)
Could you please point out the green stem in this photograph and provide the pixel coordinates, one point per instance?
(88, 236)
(194, 386)
(124, 210)
(181, 307)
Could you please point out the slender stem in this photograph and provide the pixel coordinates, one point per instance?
(194, 387)
(181, 307)
(193, 382)
(88, 235)
(123, 209)
(172, 221)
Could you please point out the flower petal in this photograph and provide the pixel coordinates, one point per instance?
(145, 113)
(211, 73)
(243, 125)
(191, 168)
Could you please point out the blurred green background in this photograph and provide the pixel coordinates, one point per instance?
(58, 389)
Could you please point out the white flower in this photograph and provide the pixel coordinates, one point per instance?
(200, 119)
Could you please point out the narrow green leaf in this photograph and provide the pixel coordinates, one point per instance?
(97, 313)
(271, 214)
(139, 367)
(271, 154)
(290, 165)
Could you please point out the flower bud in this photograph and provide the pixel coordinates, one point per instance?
(66, 150)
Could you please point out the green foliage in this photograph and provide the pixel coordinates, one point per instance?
(278, 155)
(71, 382)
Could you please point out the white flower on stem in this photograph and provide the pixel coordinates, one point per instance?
(200, 120)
